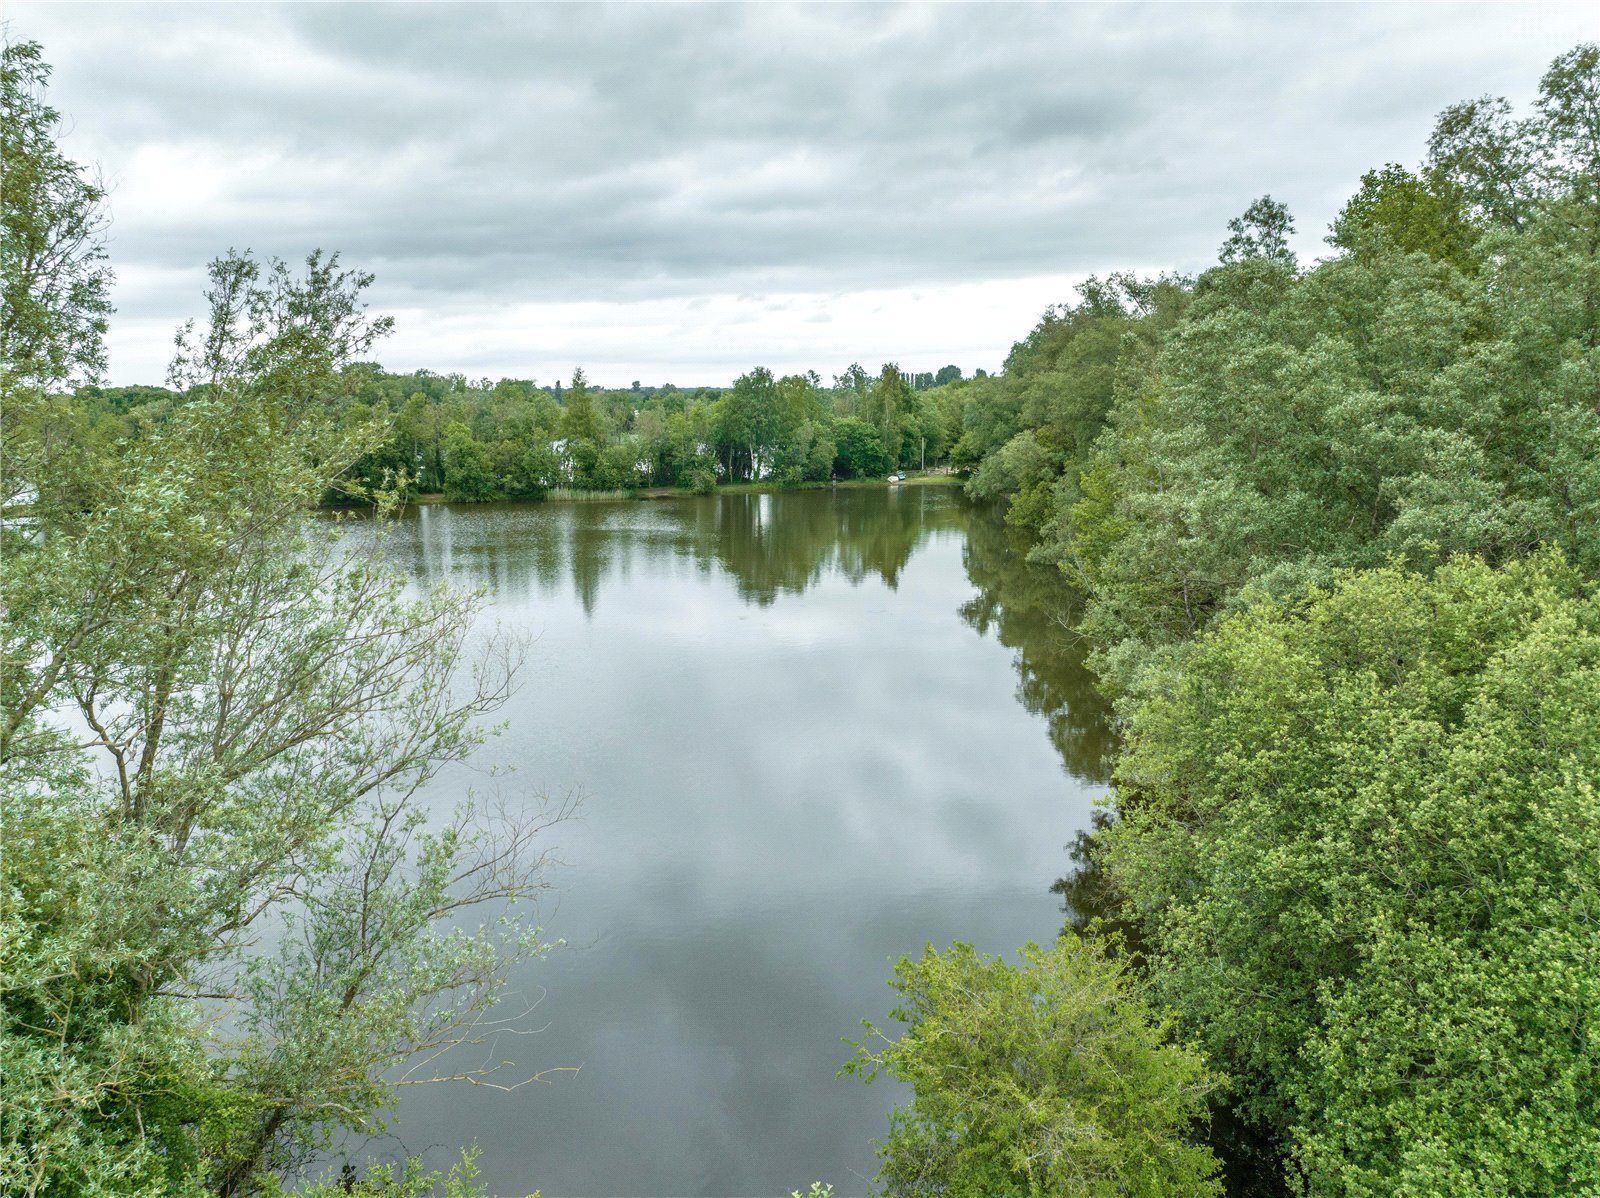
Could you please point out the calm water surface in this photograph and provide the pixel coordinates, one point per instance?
(813, 732)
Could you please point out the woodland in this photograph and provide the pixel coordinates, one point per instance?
(1334, 532)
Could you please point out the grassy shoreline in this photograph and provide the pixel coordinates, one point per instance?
(930, 479)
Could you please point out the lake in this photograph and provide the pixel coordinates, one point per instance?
(813, 731)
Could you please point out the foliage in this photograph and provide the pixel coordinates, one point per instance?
(1412, 398)
(410, 1180)
(216, 714)
(54, 283)
(860, 449)
(1261, 232)
(1414, 213)
(1029, 430)
(480, 441)
(1427, 393)
(1051, 1076)
(1362, 834)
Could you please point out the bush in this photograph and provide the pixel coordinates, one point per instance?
(1051, 1076)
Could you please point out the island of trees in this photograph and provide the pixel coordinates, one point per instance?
(1336, 529)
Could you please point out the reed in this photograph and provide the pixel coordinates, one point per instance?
(568, 495)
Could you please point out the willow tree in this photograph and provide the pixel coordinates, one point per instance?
(54, 280)
(218, 713)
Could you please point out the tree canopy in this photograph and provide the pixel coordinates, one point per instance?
(1361, 830)
(1051, 1076)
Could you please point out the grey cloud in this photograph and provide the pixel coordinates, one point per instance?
(480, 154)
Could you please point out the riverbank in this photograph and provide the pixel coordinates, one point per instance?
(931, 478)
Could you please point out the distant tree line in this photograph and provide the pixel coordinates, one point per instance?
(472, 441)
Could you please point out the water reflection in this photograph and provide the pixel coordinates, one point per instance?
(799, 722)
(1032, 611)
(771, 545)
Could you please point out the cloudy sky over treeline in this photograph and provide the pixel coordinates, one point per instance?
(678, 193)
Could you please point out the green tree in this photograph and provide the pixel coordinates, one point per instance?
(1261, 232)
(1021, 467)
(890, 404)
(54, 281)
(1048, 1077)
(536, 470)
(1384, 403)
(468, 473)
(1410, 212)
(262, 701)
(651, 429)
(860, 449)
(1362, 834)
(1058, 387)
(748, 420)
(850, 391)
(819, 451)
(582, 420)
(1479, 148)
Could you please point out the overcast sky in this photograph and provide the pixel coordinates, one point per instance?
(678, 193)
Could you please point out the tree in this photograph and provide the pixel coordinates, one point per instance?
(850, 391)
(860, 449)
(1361, 832)
(54, 281)
(1261, 232)
(947, 374)
(749, 421)
(582, 421)
(1488, 155)
(890, 403)
(217, 711)
(1413, 213)
(468, 474)
(1049, 1077)
(1569, 119)
(1384, 404)
(1020, 467)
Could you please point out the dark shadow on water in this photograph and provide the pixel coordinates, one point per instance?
(1033, 612)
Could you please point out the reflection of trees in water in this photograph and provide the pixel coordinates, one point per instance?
(1087, 894)
(1031, 609)
(783, 543)
(769, 545)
